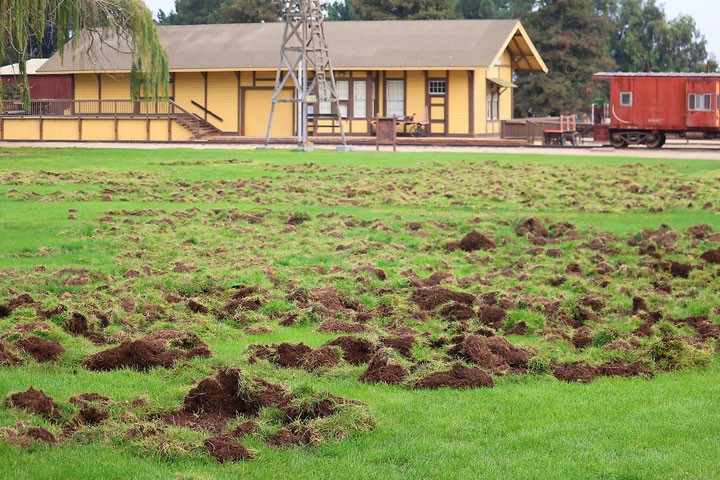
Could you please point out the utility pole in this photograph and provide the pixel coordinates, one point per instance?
(304, 50)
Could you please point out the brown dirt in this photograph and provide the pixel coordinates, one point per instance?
(329, 300)
(284, 438)
(476, 241)
(645, 330)
(77, 324)
(459, 376)
(492, 316)
(7, 355)
(5, 311)
(403, 345)
(711, 256)
(322, 357)
(245, 429)
(639, 305)
(680, 270)
(35, 401)
(383, 369)
(586, 373)
(699, 232)
(224, 448)
(519, 328)
(40, 349)
(432, 297)
(160, 349)
(196, 307)
(532, 226)
(704, 327)
(90, 416)
(582, 337)
(576, 372)
(457, 311)
(29, 436)
(494, 353)
(356, 350)
(30, 326)
(334, 325)
(290, 355)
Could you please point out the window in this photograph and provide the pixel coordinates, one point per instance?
(359, 99)
(700, 102)
(493, 103)
(626, 99)
(395, 98)
(437, 87)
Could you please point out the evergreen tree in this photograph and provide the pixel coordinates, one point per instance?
(404, 9)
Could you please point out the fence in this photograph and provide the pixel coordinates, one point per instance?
(533, 129)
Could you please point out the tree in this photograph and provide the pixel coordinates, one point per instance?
(250, 11)
(403, 9)
(571, 36)
(645, 41)
(341, 10)
(25, 21)
(491, 9)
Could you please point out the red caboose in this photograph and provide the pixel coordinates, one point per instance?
(645, 108)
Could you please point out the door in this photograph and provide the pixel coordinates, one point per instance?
(437, 89)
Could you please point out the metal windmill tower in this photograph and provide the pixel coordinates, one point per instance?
(305, 50)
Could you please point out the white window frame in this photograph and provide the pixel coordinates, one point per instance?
(396, 101)
(626, 99)
(359, 108)
(699, 102)
(437, 87)
(492, 107)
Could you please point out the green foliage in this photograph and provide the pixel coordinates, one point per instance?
(403, 9)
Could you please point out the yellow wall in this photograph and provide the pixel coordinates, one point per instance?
(415, 94)
(188, 87)
(115, 87)
(159, 130)
(61, 129)
(257, 112)
(96, 129)
(21, 129)
(86, 87)
(132, 130)
(459, 107)
(223, 100)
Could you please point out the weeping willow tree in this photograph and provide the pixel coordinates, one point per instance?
(124, 22)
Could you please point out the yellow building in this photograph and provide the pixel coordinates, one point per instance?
(454, 75)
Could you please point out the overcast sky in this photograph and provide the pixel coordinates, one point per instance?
(705, 12)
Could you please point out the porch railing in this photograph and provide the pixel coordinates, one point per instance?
(103, 108)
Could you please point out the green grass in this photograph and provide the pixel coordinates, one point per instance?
(225, 212)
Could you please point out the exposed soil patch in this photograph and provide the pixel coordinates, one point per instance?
(24, 436)
(85, 399)
(532, 226)
(493, 353)
(432, 297)
(35, 401)
(290, 355)
(40, 349)
(284, 438)
(224, 448)
(476, 241)
(356, 350)
(7, 355)
(403, 345)
(322, 357)
(459, 376)
(161, 349)
(711, 256)
(77, 324)
(586, 373)
(383, 369)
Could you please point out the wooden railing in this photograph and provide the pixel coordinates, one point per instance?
(103, 109)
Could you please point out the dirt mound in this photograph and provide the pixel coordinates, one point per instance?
(25, 436)
(160, 349)
(77, 324)
(582, 337)
(403, 345)
(356, 350)
(245, 429)
(30, 326)
(7, 355)
(700, 232)
(704, 328)
(679, 270)
(457, 311)
(322, 357)
(330, 302)
(334, 325)
(711, 256)
(224, 448)
(35, 401)
(383, 369)
(575, 372)
(432, 297)
(284, 438)
(494, 353)
(586, 373)
(519, 328)
(21, 301)
(291, 355)
(533, 226)
(85, 399)
(90, 416)
(432, 281)
(459, 376)
(227, 394)
(476, 241)
(492, 316)
(40, 349)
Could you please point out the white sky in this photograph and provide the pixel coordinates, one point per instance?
(705, 12)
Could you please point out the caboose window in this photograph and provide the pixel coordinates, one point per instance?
(700, 102)
(626, 99)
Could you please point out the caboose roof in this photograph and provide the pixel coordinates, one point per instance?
(419, 44)
(609, 75)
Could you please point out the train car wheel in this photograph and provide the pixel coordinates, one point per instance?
(655, 141)
(618, 141)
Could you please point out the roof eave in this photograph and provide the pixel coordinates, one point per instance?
(518, 28)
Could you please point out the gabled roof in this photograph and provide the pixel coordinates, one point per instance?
(421, 44)
(31, 65)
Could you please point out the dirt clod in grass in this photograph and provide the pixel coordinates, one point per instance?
(475, 240)
(284, 438)
(161, 349)
(532, 226)
(245, 429)
(519, 328)
(403, 345)
(37, 402)
(90, 416)
(77, 324)
(493, 353)
(432, 297)
(41, 350)
(383, 369)
(196, 307)
(459, 376)
(25, 436)
(356, 350)
(492, 316)
(639, 305)
(225, 449)
(586, 373)
(711, 256)
(680, 270)
(7, 355)
(290, 355)
(322, 357)
(582, 337)
(84, 399)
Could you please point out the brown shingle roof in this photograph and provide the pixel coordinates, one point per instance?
(353, 45)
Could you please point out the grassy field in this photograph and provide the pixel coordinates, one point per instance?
(608, 275)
